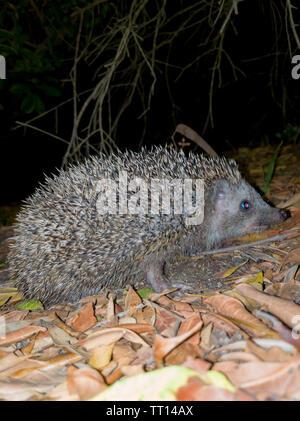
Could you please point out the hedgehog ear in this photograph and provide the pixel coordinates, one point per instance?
(220, 192)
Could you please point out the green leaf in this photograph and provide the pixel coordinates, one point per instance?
(28, 104)
(160, 385)
(143, 293)
(29, 305)
(270, 169)
(19, 89)
(32, 102)
(39, 105)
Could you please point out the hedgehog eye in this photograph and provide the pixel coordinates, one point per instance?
(245, 205)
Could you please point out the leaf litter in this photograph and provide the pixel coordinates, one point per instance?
(236, 338)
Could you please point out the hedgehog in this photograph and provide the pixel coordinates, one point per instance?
(68, 244)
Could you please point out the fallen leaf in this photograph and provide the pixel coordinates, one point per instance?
(162, 346)
(85, 319)
(285, 310)
(101, 356)
(269, 379)
(20, 335)
(235, 309)
(87, 382)
(29, 305)
(159, 385)
(108, 336)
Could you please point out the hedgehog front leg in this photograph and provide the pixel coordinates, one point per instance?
(156, 277)
(159, 282)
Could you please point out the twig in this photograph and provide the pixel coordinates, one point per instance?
(292, 23)
(42, 131)
(254, 243)
(195, 137)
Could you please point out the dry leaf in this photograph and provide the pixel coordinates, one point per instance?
(87, 383)
(197, 390)
(268, 378)
(20, 335)
(187, 325)
(108, 336)
(101, 356)
(235, 309)
(283, 309)
(132, 299)
(85, 319)
(162, 346)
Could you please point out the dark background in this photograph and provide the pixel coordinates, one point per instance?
(258, 107)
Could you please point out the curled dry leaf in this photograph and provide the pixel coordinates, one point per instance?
(290, 339)
(269, 354)
(158, 296)
(234, 308)
(87, 382)
(108, 336)
(162, 346)
(60, 393)
(221, 322)
(101, 356)
(283, 309)
(138, 327)
(28, 348)
(20, 335)
(62, 360)
(238, 357)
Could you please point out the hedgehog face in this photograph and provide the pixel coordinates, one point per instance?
(237, 209)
